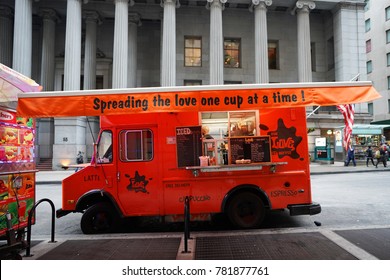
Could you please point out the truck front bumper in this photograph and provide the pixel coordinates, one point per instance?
(304, 209)
(60, 213)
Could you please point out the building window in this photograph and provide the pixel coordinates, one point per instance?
(192, 82)
(313, 56)
(232, 82)
(193, 51)
(367, 6)
(388, 105)
(368, 25)
(388, 59)
(330, 53)
(387, 13)
(369, 66)
(371, 108)
(273, 55)
(387, 36)
(368, 46)
(388, 82)
(232, 53)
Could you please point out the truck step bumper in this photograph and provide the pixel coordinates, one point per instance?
(304, 209)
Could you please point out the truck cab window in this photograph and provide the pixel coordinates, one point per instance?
(136, 145)
(104, 149)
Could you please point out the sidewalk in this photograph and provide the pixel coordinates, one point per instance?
(55, 177)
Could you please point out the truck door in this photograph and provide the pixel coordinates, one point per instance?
(138, 171)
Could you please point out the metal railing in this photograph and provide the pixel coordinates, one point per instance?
(30, 215)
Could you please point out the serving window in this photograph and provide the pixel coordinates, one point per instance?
(220, 125)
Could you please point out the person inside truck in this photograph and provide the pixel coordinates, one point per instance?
(206, 133)
(107, 157)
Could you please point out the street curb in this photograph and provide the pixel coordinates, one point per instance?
(344, 172)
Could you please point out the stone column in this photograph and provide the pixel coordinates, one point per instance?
(168, 59)
(261, 40)
(70, 132)
(45, 126)
(134, 22)
(120, 53)
(216, 41)
(49, 18)
(91, 21)
(304, 44)
(6, 35)
(72, 63)
(22, 54)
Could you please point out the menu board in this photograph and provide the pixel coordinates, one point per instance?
(255, 149)
(188, 145)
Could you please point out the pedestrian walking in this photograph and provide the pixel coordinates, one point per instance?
(369, 156)
(382, 156)
(350, 156)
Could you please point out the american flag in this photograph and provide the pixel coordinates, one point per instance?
(348, 112)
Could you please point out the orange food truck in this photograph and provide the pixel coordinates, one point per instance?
(241, 150)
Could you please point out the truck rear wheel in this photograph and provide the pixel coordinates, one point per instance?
(246, 210)
(99, 218)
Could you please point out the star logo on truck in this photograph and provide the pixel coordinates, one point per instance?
(138, 183)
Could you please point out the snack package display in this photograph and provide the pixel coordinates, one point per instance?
(17, 169)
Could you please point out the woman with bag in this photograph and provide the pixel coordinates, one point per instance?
(381, 157)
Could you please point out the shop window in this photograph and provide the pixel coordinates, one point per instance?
(136, 145)
(193, 51)
(232, 53)
(273, 55)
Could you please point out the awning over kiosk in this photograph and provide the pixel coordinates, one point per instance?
(194, 98)
(368, 129)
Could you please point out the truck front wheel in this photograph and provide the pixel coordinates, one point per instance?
(99, 218)
(246, 210)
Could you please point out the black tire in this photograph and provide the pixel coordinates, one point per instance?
(99, 218)
(246, 210)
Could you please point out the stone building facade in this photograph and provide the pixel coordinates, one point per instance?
(92, 44)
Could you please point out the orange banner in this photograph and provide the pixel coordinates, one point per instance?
(222, 98)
